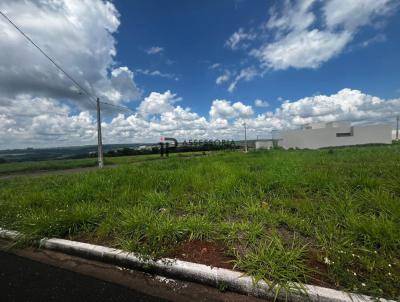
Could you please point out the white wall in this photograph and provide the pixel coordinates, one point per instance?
(326, 137)
(264, 145)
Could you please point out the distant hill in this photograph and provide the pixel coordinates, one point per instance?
(31, 154)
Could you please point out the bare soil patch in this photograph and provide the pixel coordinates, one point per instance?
(204, 252)
(319, 272)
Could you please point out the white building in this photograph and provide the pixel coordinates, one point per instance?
(314, 136)
(264, 144)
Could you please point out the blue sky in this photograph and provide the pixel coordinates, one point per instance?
(195, 69)
(193, 35)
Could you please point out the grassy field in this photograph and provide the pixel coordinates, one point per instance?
(323, 217)
(63, 164)
(20, 167)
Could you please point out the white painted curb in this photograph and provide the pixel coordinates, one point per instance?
(10, 235)
(217, 277)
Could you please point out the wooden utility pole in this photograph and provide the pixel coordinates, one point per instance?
(245, 137)
(99, 138)
(397, 128)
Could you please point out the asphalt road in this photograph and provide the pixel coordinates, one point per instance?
(32, 274)
(22, 279)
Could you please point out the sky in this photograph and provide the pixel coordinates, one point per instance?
(194, 69)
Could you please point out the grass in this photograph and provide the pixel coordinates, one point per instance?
(277, 212)
(63, 164)
(19, 167)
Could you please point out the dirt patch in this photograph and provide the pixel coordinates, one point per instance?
(319, 272)
(213, 253)
(198, 251)
(204, 252)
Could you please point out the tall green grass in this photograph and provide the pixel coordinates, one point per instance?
(63, 164)
(30, 166)
(273, 210)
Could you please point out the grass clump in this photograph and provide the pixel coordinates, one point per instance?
(279, 264)
(80, 218)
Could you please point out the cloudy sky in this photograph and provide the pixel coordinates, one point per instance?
(194, 69)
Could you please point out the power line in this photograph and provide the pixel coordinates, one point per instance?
(118, 106)
(48, 57)
(93, 99)
(89, 95)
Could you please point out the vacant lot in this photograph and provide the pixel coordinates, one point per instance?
(328, 217)
(65, 164)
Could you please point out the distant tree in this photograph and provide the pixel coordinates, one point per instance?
(111, 153)
(126, 151)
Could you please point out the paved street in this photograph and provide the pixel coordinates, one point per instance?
(22, 279)
(39, 275)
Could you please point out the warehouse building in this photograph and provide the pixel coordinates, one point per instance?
(333, 134)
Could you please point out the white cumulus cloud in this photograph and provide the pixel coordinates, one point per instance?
(51, 123)
(226, 110)
(307, 49)
(260, 103)
(78, 34)
(355, 13)
(157, 103)
(307, 33)
(301, 42)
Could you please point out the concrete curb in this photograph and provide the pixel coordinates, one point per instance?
(10, 235)
(217, 277)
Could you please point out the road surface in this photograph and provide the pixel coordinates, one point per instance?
(40, 275)
(22, 279)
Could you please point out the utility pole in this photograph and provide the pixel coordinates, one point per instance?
(397, 127)
(99, 138)
(245, 137)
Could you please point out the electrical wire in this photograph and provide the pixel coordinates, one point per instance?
(82, 89)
